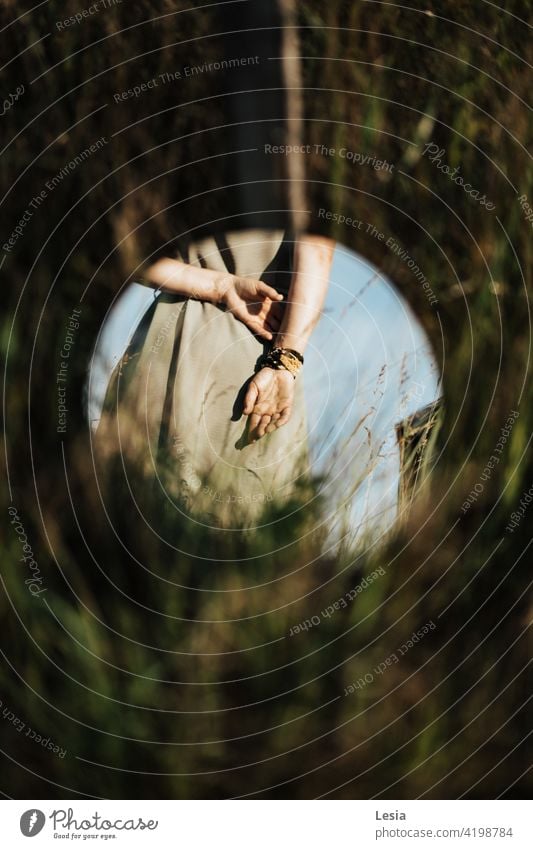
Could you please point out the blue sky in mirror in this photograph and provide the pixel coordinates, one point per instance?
(368, 365)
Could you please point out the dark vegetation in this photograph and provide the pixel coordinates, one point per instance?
(165, 664)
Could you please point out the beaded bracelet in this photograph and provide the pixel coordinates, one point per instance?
(283, 358)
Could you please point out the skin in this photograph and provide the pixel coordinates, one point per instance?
(250, 301)
(269, 398)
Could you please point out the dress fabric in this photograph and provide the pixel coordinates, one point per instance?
(175, 398)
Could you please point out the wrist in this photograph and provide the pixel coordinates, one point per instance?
(283, 359)
(289, 342)
(276, 374)
(221, 284)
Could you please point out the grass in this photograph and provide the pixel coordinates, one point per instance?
(156, 690)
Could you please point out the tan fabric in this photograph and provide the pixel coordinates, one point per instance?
(175, 399)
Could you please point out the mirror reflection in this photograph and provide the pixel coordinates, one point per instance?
(253, 370)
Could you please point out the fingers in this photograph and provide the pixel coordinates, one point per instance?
(262, 331)
(255, 420)
(263, 328)
(277, 309)
(263, 318)
(273, 423)
(257, 327)
(259, 422)
(278, 420)
(250, 398)
(273, 322)
(253, 323)
(284, 417)
(262, 426)
(268, 402)
(268, 291)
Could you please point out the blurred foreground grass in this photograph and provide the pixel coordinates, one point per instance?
(184, 680)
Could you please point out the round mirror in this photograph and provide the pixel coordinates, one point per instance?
(170, 377)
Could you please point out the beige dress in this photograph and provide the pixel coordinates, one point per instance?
(174, 401)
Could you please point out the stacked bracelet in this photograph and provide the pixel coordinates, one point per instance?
(283, 358)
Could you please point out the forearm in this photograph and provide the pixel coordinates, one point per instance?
(307, 293)
(189, 281)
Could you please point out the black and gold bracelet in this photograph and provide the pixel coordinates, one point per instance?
(283, 358)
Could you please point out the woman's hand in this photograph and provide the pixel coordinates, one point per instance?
(269, 401)
(253, 302)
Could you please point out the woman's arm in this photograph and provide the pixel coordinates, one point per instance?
(250, 301)
(309, 286)
(269, 398)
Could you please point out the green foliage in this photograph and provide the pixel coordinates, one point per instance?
(163, 663)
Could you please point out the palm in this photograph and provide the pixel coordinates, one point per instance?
(269, 401)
